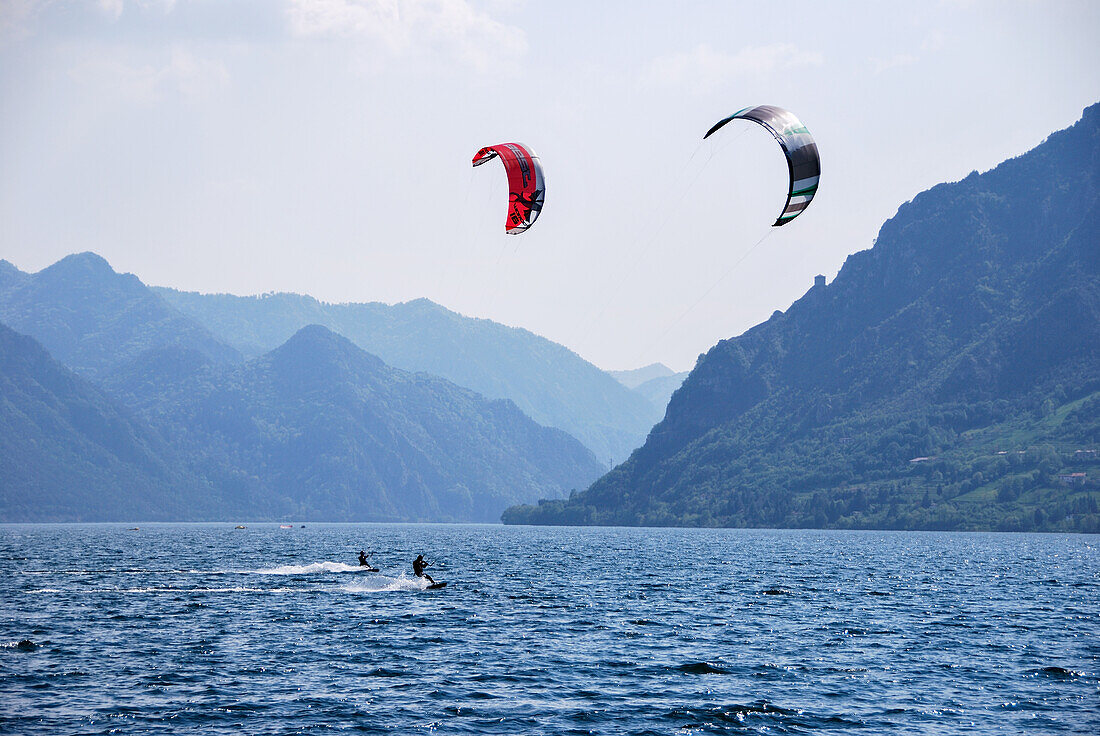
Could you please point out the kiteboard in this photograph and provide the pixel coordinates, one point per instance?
(436, 586)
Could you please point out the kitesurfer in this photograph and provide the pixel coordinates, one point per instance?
(363, 559)
(418, 567)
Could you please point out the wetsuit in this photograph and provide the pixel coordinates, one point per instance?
(418, 568)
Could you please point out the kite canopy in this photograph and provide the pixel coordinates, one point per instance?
(526, 184)
(803, 162)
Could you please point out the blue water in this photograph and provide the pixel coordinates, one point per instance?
(205, 628)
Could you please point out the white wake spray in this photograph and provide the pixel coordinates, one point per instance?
(385, 584)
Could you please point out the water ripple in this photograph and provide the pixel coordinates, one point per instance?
(199, 628)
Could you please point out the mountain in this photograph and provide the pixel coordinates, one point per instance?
(948, 378)
(92, 319)
(69, 453)
(546, 381)
(637, 376)
(315, 429)
(320, 429)
(655, 383)
(659, 390)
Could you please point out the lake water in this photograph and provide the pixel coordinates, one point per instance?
(182, 628)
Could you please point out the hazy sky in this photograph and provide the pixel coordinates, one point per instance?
(324, 146)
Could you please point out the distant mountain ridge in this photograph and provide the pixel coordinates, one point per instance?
(658, 391)
(96, 321)
(547, 381)
(320, 429)
(655, 383)
(947, 378)
(315, 430)
(429, 451)
(69, 453)
(93, 319)
(637, 376)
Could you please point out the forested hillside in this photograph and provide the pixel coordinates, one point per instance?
(948, 378)
(319, 429)
(69, 453)
(550, 383)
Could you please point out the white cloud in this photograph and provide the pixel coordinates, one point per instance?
(401, 28)
(16, 17)
(704, 68)
(894, 62)
(114, 8)
(184, 75)
(934, 41)
(23, 18)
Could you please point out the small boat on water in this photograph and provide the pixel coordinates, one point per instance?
(286, 526)
(240, 526)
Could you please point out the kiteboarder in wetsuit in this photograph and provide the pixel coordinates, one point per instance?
(418, 568)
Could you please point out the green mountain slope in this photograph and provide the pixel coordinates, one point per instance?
(69, 453)
(548, 382)
(947, 378)
(320, 429)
